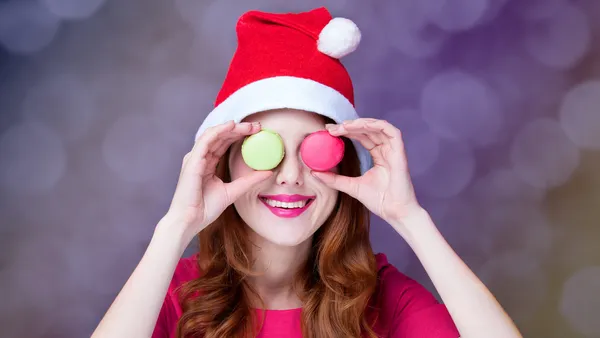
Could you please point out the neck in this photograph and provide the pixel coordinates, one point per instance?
(277, 267)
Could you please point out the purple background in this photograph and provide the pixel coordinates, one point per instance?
(499, 101)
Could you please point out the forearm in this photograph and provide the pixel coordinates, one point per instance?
(473, 308)
(135, 310)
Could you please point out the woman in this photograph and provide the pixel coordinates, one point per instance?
(285, 252)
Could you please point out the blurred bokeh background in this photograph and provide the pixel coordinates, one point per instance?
(499, 102)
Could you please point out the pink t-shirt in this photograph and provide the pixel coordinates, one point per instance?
(407, 309)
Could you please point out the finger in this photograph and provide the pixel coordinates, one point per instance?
(393, 134)
(215, 141)
(186, 158)
(239, 132)
(362, 119)
(211, 164)
(205, 140)
(341, 183)
(383, 126)
(380, 131)
(364, 140)
(223, 135)
(339, 130)
(185, 161)
(226, 140)
(372, 130)
(241, 185)
(375, 139)
(376, 136)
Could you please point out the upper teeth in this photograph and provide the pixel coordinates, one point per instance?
(289, 205)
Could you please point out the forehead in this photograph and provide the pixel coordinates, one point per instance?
(289, 122)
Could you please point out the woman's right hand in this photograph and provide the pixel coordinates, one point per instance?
(200, 196)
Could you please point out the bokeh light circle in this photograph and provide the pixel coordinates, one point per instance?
(407, 28)
(421, 145)
(578, 305)
(518, 281)
(580, 114)
(542, 154)
(456, 15)
(26, 27)
(527, 88)
(536, 10)
(495, 7)
(523, 227)
(33, 158)
(503, 186)
(458, 105)
(189, 10)
(215, 21)
(135, 150)
(181, 103)
(62, 102)
(450, 174)
(460, 224)
(30, 292)
(560, 41)
(73, 9)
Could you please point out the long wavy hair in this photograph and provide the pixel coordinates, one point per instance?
(335, 285)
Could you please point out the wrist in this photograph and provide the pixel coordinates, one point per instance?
(173, 231)
(410, 214)
(413, 224)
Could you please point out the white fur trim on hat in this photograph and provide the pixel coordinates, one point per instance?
(339, 38)
(286, 92)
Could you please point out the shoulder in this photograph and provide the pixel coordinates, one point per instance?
(185, 271)
(403, 291)
(170, 312)
(408, 309)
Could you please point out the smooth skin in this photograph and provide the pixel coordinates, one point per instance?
(386, 190)
(200, 197)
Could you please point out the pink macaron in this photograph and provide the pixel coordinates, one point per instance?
(321, 151)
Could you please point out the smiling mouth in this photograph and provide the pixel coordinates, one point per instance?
(286, 205)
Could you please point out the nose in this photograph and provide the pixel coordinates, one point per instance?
(290, 171)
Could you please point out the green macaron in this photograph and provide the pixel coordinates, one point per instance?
(263, 150)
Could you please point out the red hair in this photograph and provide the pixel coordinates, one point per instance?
(335, 285)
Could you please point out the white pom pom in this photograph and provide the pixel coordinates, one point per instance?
(339, 38)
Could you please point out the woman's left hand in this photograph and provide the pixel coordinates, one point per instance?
(385, 189)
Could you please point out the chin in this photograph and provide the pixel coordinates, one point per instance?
(286, 242)
(283, 220)
(287, 234)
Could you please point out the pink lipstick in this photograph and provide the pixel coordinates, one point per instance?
(287, 206)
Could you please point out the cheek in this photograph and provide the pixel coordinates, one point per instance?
(330, 197)
(333, 196)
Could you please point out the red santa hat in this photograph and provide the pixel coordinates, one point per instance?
(290, 61)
